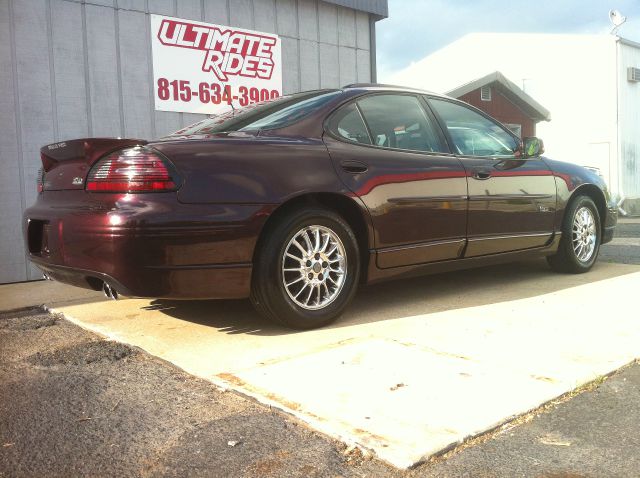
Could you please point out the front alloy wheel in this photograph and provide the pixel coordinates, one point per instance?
(581, 237)
(583, 234)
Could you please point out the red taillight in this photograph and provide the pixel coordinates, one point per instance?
(131, 170)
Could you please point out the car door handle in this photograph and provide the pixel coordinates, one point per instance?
(353, 167)
(481, 174)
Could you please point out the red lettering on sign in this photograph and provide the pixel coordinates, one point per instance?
(228, 52)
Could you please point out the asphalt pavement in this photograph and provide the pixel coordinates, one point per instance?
(74, 404)
(625, 247)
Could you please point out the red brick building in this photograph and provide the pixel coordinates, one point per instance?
(505, 101)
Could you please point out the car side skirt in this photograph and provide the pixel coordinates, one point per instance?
(376, 274)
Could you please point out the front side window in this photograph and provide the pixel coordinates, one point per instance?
(400, 122)
(473, 134)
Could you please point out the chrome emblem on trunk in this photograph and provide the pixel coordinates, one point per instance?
(76, 181)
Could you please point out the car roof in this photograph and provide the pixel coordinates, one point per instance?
(384, 87)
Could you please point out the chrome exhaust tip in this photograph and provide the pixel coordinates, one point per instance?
(109, 292)
(45, 276)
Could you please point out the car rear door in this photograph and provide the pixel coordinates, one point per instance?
(512, 200)
(389, 151)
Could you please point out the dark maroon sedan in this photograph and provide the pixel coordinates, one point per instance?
(294, 202)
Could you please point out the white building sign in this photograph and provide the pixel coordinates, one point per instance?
(204, 68)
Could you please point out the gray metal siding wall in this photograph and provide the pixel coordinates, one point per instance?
(378, 7)
(71, 69)
(628, 55)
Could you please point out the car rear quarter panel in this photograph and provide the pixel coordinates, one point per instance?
(251, 170)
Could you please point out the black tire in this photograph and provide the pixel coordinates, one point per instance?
(268, 292)
(566, 259)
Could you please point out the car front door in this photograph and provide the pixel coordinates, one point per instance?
(389, 151)
(512, 200)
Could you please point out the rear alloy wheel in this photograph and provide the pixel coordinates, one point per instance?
(314, 267)
(581, 238)
(312, 277)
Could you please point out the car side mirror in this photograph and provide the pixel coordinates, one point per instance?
(532, 147)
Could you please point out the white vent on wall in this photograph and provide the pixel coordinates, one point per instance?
(633, 74)
(485, 93)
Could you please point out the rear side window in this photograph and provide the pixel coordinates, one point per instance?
(400, 122)
(270, 114)
(473, 134)
(291, 113)
(348, 124)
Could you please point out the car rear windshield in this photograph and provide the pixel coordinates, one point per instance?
(271, 114)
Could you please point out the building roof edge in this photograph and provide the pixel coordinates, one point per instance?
(538, 111)
(380, 8)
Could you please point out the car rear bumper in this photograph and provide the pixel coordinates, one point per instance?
(217, 281)
(144, 245)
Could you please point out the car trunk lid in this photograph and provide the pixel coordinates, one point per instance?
(65, 165)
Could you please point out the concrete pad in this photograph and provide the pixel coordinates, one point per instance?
(414, 366)
(21, 295)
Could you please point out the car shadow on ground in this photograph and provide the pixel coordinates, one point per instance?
(402, 298)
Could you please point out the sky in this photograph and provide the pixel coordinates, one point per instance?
(416, 28)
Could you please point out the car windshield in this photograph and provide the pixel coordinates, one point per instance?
(270, 114)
